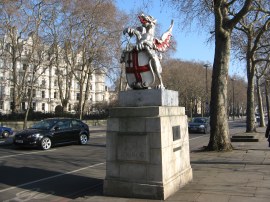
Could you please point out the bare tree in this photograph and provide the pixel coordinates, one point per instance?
(14, 29)
(252, 29)
(223, 23)
(92, 36)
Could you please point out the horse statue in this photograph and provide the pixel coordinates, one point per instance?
(142, 60)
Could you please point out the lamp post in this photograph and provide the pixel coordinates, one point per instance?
(206, 88)
(267, 98)
(233, 99)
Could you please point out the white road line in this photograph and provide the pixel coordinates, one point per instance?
(199, 137)
(8, 156)
(51, 177)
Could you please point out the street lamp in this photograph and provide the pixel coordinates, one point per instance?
(233, 98)
(267, 98)
(206, 87)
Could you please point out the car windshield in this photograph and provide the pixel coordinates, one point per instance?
(44, 125)
(199, 120)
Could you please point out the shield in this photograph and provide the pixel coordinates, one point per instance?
(139, 73)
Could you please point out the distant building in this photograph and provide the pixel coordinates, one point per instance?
(46, 94)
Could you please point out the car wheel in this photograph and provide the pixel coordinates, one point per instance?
(5, 134)
(83, 139)
(46, 143)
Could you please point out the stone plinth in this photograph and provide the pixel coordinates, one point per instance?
(151, 97)
(147, 151)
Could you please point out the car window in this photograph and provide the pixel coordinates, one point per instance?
(76, 124)
(199, 120)
(45, 124)
(65, 124)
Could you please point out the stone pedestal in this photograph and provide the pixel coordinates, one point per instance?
(147, 147)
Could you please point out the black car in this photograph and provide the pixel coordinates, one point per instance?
(53, 131)
(199, 124)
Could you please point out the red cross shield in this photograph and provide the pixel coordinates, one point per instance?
(139, 73)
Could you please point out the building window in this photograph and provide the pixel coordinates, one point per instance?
(23, 105)
(1, 105)
(11, 105)
(11, 92)
(55, 95)
(55, 82)
(78, 96)
(43, 82)
(34, 92)
(24, 67)
(43, 107)
(43, 94)
(34, 106)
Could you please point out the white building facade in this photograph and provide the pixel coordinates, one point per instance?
(49, 83)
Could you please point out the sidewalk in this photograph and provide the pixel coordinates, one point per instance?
(242, 175)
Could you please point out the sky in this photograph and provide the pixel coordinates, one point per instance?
(192, 44)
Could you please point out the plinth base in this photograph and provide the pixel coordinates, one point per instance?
(115, 187)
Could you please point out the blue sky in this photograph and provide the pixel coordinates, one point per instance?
(191, 45)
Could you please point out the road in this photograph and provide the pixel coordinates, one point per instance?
(62, 173)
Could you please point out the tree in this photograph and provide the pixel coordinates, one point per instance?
(14, 28)
(224, 24)
(252, 29)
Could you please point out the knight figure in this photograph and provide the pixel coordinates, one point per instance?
(142, 60)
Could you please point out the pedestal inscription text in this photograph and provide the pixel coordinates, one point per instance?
(132, 147)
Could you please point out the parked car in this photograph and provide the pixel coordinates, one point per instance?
(5, 132)
(53, 131)
(199, 124)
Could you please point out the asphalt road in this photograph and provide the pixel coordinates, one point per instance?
(62, 173)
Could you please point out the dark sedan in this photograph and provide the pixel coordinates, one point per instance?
(54, 131)
(199, 124)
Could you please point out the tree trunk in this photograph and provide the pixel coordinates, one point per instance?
(250, 122)
(219, 134)
(259, 95)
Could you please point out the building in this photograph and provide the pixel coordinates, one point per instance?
(51, 83)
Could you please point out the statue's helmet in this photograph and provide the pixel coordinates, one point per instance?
(147, 19)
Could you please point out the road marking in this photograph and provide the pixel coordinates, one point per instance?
(51, 177)
(198, 137)
(3, 157)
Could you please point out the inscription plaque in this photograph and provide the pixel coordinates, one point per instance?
(176, 133)
(132, 147)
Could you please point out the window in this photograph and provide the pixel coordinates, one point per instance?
(11, 105)
(8, 47)
(43, 94)
(55, 95)
(76, 124)
(34, 106)
(63, 125)
(1, 105)
(55, 82)
(11, 92)
(23, 105)
(43, 107)
(25, 67)
(43, 82)
(34, 92)
(78, 96)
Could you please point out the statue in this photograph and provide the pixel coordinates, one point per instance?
(142, 60)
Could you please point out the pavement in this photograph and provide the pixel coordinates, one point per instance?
(241, 175)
